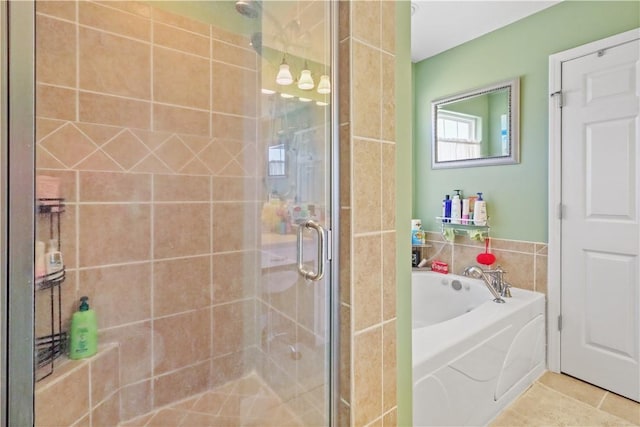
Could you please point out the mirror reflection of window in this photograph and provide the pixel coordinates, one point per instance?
(460, 136)
(478, 127)
(504, 134)
(277, 160)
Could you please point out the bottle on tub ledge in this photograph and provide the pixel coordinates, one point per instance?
(417, 233)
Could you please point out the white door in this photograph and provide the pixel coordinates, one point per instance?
(600, 337)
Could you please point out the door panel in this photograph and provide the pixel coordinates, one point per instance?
(600, 232)
(611, 304)
(610, 146)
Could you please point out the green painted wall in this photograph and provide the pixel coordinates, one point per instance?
(516, 194)
(404, 109)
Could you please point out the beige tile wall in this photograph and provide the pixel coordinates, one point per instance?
(525, 263)
(139, 149)
(368, 169)
(157, 157)
(87, 390)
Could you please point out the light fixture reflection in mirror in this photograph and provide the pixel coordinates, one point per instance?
(479, 127)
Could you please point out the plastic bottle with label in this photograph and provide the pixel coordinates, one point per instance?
(83, 340)
(456, 208)
(446, 209)
(480, 211)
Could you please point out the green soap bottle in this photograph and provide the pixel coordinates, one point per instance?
(84, 332)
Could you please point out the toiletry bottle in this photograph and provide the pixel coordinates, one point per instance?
(40, 265)
(84, 332)
(446, 209)
(53, 260)
(415, 257)
(472, 203)
(465, 211)
(480, 211)
(456, 208)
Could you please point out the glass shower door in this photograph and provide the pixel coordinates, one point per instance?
(295, 127)
(183, 181)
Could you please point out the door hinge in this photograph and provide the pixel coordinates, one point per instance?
(560, 322)
(559, 98)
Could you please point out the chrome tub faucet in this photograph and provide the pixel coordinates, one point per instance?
(493, 279)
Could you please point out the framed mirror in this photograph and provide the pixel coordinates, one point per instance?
(477, 128)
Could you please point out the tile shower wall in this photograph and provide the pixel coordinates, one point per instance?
(157, 157)
(525, 263)
(367, 209)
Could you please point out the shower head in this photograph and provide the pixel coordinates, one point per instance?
(256, 42)
(248, 8)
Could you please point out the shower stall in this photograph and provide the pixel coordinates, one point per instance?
(177, 158)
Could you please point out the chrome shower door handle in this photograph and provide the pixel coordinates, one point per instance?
(310, 275)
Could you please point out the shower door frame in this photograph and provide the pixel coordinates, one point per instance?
(17, 207)
(333, 245)
(18, 149)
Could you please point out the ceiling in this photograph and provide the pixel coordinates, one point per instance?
(439, 25)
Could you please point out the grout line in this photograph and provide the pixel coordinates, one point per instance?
(372, 327)
(363, 42)
(366, 138)
(151, 74)
(210, 82)
(371, 233)
(577, 400)
(211, 270)
(535, 270)
(152, 282)
(77, 70)
(234, 65)
(602, 400)
(77, 231)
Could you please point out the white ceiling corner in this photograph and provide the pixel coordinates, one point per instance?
(439, 25)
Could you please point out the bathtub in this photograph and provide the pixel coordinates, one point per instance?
(471, 356)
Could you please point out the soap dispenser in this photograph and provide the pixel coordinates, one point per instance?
(84, 332)
(456, 208)
(480, 211)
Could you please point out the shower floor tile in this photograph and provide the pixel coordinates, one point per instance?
(244, 402)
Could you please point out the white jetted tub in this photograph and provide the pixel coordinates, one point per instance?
(471, 356)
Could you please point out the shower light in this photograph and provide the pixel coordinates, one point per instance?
(324, 86)
(284, 76)
(306, 81)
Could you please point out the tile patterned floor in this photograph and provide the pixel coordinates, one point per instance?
(553, 400)
(245, 402)
(560, 400)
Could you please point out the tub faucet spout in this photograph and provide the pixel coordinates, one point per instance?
(489, 281)
(502, 286)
